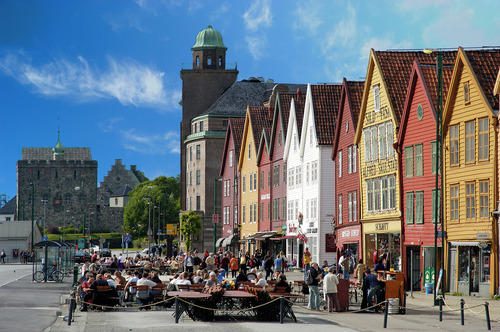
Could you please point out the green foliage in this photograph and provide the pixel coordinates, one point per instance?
(190, 226)
(95, 236)
(162, 192)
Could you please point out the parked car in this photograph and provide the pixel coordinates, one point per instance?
(81, 256)
(105, 252)
(146, 251)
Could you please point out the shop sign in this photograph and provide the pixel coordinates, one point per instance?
(266, 196)
(351, 233)
(373, 116)
(384, 226)
(292, 229)
(312, 230)
(330, 243)
(382, 167)
(483, 236)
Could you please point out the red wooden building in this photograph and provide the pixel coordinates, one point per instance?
(348, 233)
(230, 177)
(264, 163)
(416, 150)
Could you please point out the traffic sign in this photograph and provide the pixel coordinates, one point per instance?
(215, 218)
(45, 238)
(127, 238)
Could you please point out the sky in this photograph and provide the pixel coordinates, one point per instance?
(107, 72)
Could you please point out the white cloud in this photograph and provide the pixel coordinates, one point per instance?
(129, 82)
(308, 17)
(258, 15)
(159, 144)
(344, 31)
(256, 46)
(109, 125)
(409, 5)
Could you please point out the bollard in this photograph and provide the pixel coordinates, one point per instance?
(462, 302)
(441, 309)
(386, 312)
(281, 309)
(487, 311)
(70, 313)
(75, 275)
(177, 309)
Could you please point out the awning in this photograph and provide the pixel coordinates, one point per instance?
(227, 241)
(219, 242)
(260, 236)
(464, 243)
(284, 237)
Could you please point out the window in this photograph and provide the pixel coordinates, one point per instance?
(269, 179)
(349, 160)
(291, 177)
(269, 210)
(284, 174)
(310, 136)
(385, 193)
(254, 181)
(376, 194)
(409, 161)
(191, 153)
(276, 176)
(354, 158)
(314, 171)
(243, 185)
(209, 61)
(483, 139)
(368, 144)
(419, 207)
(231, 158)
(308, 166)
(191, 178)
(197, 61)
(276, 209)
(369, 195)
(236, 186)
(280, 137)
(470, 142)
(382, 140)
(349, 207)
(283, 204)
(454, 196)
(392, 192)
(376, 97)
(201, 125)
(294, 142)
(198, 203)
(434, 152)
(243, 214)
(261, 212)
(354, 206)
(298, 175)
(249, 151)
(409, 207)
(339, 158)
(466, 92)
(261, 180)
(198, 152)
(470, 200)
(235, 214)
(198, 176)
(374, 151)
(251, 214)
(340, 209)
(254, 212)
(390, 139)
(454, 156)
(251, 182)
(191, 203)
(196, 127)
(436, 200)
(483, 199)
(306, 212)
(419, 160)
(220, 61)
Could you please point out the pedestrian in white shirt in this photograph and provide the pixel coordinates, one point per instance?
(144, 296)
(330, 283)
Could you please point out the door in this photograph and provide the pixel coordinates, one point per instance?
(413, 273)
(453, 270)
(301, 254)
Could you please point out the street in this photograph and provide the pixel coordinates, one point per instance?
(28, 306)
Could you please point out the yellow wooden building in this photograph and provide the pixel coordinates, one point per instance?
(256, 118)
(379, 180)
(470, 174)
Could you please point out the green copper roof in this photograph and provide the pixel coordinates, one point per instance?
(59, 148)
(208, 38)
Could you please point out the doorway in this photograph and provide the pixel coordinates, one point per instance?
(413, 273)
(301, 254)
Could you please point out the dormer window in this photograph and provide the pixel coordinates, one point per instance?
(280, 134)
(249, 150)
(376, 97)
(466, 92)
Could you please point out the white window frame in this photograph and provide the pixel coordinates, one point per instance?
(339, 199)
(376, 97)
(339, 160)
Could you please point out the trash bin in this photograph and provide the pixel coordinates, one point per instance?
(393, 306)
(428, 288)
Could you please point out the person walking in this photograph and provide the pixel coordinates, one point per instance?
(330, 283)
(189, 263)
(243, 262)
(312, 279)
(2, 256)
(278, 264)
(233, 264)
(268, 266)
(306, 261)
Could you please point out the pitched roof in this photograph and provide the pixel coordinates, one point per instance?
(396, 69)
(261, 119)
(48, 154)
(299, 112)
(430, 77)
(235, 130)
(9, 207)
(485, 64)
(325, 99)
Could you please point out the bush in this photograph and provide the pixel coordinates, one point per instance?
(53, 230)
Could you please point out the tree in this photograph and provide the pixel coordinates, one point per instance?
(190, 226)
(162, 192)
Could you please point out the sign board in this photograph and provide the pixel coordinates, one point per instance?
(483, 236)
(330, 243)
(171, 229)
(215, 218)
(44, 238)
(429, 275)
(127, 238)
(81, 243)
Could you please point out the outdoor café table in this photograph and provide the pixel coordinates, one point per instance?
(237, 299)
(189, 298)
(287, 305)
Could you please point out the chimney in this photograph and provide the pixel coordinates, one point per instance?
(299, 94)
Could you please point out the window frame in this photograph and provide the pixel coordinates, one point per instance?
(454, 137)
(409, 161)
(340, 216)
(470, 200)
(418, 159)
(484, 197)
(483, 132)
(454, 202)
(376, 97)
(470, 142)
(409, 211)
(419, 207)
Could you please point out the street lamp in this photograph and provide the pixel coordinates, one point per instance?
(44, 203)
(438, 164)
(150, 232)
(215, 212)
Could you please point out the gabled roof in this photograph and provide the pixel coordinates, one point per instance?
(325, 102)
(428, 75)
(352, 92)
(395, 70)
(483, 65)
(264, 142)
(9, 207)
(234, 130)
(496, 90)
(258, 117)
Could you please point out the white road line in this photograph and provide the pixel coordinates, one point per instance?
(8, 282)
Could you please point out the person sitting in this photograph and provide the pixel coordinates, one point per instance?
(261, 281)
(374, 286)
(197, 278)
(144, 296)
(101, 298)
(241, 277)
(182, 280)
(380, 266)
(282, 283)
(119, 279)
(86, 292)
(109, 279)
(130, 290)
(155, 277)
(212, 280)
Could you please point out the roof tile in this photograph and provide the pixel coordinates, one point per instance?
(326, 99)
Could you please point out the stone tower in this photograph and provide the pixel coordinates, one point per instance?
(202, 86)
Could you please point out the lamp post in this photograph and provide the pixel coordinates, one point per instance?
(150, 232)
(215, 212)
(44, 203)
(32, 214)
(438, 164)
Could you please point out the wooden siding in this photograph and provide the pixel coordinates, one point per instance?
(277, 160)
(264, 166)
(419, 132)
(230, 173)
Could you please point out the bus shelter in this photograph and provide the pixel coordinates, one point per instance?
(49, 257)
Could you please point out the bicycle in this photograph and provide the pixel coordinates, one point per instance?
(53, 275)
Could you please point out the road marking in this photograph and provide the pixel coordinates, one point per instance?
(8, 282)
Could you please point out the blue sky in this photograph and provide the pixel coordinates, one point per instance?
(107, 72)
